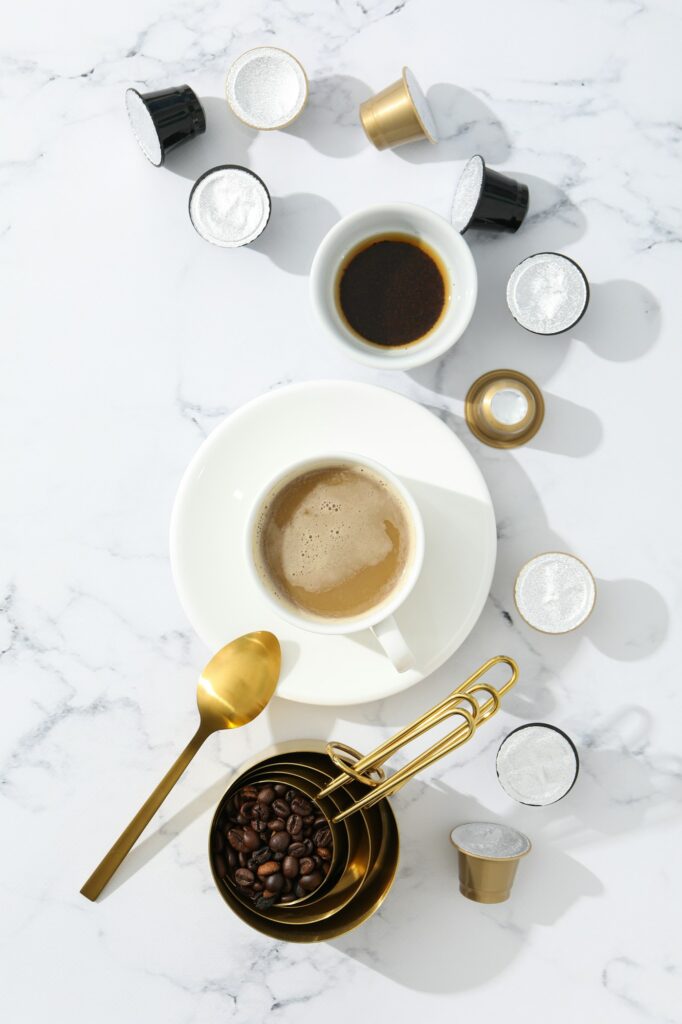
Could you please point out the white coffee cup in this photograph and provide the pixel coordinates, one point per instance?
(417, 222)
(379, 619)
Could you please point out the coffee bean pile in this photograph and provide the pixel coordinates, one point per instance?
(273, 843)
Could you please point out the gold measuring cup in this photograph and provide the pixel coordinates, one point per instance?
(323, 902)
(309, 783)
(363, 835)
(367, 792)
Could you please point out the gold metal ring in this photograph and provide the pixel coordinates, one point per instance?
(336, 749)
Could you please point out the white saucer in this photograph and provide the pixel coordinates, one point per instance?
(301, 420)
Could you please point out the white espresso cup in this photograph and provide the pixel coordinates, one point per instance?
(380, 619)
(410, 221)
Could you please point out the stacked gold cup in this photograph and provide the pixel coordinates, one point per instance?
(350, 791)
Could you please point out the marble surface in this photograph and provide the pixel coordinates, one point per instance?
(126, 339)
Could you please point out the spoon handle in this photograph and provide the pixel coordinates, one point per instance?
(121, 848)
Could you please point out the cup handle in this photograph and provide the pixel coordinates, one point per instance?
(393, 642)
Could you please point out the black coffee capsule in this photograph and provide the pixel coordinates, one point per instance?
(547, 293)
(163, 120)
(487, 199)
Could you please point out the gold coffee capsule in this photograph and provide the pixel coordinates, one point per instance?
(488, 855)
(504, 408)
(398, 114)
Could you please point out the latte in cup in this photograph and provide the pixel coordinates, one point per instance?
(334, 541)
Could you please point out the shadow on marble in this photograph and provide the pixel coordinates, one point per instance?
(148, 848)
(567, 429)
(297, 225)
(430, 938)
(622, 322)
(630, 619)
(466, 125)
(330, 121)
(225, 141)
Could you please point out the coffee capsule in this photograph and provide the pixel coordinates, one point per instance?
(504, 408)
(229, 206)
(547, 293)
(398, 114)
(537, 764)
(555, 592)
(487, 199)
(488, 855)
(266, 88)
(163, 120)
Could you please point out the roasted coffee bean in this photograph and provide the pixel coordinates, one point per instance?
(275, 882)
(280, 789)
(220, 865)
(261, 855)
(299, 891)
(263, 811)
(278, 856)
(279, 841)
(298, 850)
(288, 898)
(281, 808)
(288, 885)
(248, 808)
(319, 820)
(266, 795)
(309, 819)
(269, 868)
(244, 877)
(241, 819)
(290, 867)
(242, 857)
(276, 825)
(248, 793)
(311, 881)
(235, 838)
(289, 795)
(294, 824)
(308, 843)
(322, 837)
(299, 805)
(251, 839)
(232, 858)
(324, 852)
(306, 865)
(257, 886)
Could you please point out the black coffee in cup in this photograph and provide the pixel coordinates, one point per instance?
(391, 290)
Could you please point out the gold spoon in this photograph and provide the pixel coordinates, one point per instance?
(233, 689)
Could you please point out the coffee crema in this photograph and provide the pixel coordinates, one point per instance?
(391, 290)
(333, 541)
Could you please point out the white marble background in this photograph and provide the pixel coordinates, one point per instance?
(126, 339)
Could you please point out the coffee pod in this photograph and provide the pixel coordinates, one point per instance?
(504, 408)
(547, 293)
(229, 206)
(487, 199)
(266, 88)
(537, 764)
(398, 114)
(488, 855)
(163, 120)
(555, 592)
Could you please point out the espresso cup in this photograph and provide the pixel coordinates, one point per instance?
(378, 618)
(423, 228)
